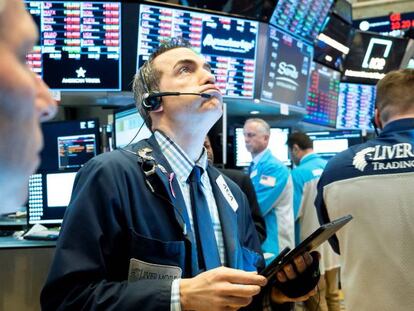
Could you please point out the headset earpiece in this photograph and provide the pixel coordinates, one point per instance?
(151, 101)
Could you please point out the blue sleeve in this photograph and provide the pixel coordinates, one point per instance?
(298, 184)
(90, 267)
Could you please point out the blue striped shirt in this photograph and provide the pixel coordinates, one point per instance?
(182, 166)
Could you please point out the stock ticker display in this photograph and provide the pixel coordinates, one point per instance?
(323, 93)
(287, 68)
(304, 18)
(228, 44)
(355, 106)
(80, 44)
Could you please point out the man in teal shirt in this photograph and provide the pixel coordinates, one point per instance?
(305, 176)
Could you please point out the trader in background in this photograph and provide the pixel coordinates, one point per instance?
(374, 182)
(245, 184)
(305, 176)
(25, 101)
(153, 226)
(273, 185)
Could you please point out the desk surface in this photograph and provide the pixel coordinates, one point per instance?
(12, 242)
(12, 222)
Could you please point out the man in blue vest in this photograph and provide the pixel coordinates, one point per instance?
(374, 183)
(133, 238)
(273, 185)
(308, 168)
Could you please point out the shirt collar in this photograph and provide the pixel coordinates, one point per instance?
(398, 125)
(307, 157)
(179, 161)
(257, 158)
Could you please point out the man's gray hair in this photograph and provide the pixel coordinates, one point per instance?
(264, 126)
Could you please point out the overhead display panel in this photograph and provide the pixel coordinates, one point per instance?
(393, 25)
(287, 67)
(227, 43)
(323, 93)
(371, 56)
(332, 44)
(303, 18)
(80, 44)
(356, 106)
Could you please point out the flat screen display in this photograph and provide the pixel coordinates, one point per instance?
(303, 18)
(372, 56)
(329, 143)
(323, 93)
(287, 67)
(393, 25)
(277, 145)
(343, 8)
(332, 44)
(356, 106)
(69, 145)
(80, 44)
(129, 127)
(227, 43)
(49, 196)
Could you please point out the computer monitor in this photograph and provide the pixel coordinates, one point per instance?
(372, 56)
(129, 127)
(287, 67)
(323, 93)
(328, 143)
(332, 44)
(343, 8)
(394, 24)
(356, 106)
(227, 43)
(49, 196)
(79, 46)
(69, 144)
(277, 145)
(303, 18)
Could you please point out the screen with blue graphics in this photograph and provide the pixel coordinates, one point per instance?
(227, 43)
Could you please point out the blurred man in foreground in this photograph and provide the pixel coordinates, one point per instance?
(25, 101)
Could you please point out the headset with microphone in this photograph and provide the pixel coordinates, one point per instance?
(152, 100)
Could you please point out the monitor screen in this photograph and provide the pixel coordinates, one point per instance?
(79, 46)
(356, 106)
(323, 93)
(287, 67)
(329, 143)
(127, 123)
(69, 145)
(303, 18)
(394, 24)
(227, 43)
(277, 145)
(343, 8)
(372, 56)
(332, 44)
(49, 196)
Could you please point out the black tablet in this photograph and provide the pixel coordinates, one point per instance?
(319, 236)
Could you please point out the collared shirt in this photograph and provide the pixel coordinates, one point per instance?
(182, 166)
(257, 158)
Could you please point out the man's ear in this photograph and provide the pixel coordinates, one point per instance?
(295, 148)
(377, 119)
